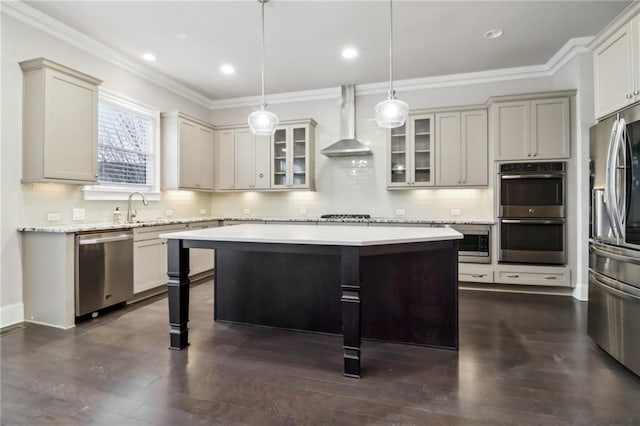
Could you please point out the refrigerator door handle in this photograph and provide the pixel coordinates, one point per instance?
(615, 287)
(610, 177)
(617, 253)
(621, 193)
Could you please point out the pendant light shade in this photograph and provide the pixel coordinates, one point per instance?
(391, 112)
(262, 122)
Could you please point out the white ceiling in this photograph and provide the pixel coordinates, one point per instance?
(304, 38)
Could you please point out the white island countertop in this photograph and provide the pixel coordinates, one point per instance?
(317, 235)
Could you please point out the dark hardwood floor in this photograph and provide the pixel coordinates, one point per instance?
(523, 359)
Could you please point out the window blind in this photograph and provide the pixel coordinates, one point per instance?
(125, 146)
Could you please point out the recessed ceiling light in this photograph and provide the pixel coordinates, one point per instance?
(495, 33)
(349, 53)
(182, 36)
(227, 69)
(149, 57)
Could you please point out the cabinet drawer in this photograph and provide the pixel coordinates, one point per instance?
(153, 232)
(204, 225)
(475, 273)
(555, 278)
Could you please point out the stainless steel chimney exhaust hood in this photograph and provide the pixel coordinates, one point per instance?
(348, 145)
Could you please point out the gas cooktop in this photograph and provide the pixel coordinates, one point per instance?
(345, 216)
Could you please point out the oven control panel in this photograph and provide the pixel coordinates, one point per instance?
(532, 167)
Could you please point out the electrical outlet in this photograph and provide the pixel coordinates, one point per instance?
(168, 213)
(203, 211)
(455, 212)
(52, 217)
(400, 212)
(78, 214)
(303, 212)
(247, 211)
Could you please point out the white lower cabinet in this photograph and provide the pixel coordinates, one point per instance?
(533, 275)
(475, 273)
(149, 264)
(201, 260)
(150, 257)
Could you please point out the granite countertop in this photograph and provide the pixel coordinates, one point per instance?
(317, 235)
(86, 227)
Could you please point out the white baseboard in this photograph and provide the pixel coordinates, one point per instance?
(50, 325)
(11, 314)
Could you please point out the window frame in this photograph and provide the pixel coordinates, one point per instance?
(115, 191)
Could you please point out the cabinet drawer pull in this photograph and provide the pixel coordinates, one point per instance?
(513, 276)
(478, 275)
(550, 277)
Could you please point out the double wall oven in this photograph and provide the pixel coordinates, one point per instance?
(532, 213)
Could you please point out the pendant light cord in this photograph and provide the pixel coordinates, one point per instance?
(391, 94)
(264, 104)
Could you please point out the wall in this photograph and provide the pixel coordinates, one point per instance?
(342, 187)
(578, 74)
(28, 204)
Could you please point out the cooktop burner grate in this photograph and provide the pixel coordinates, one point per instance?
(345, 216)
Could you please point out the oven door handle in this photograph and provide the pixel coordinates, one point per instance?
(534, 221)
(533, 176)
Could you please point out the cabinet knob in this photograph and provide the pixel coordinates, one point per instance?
(629, 95)
(535, 154)
(529, 155)
(636, 92)
(261, 175)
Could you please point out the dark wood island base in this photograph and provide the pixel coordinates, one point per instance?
(405, 293)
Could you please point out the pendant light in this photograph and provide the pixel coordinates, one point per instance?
(263, 122)
(391, 112)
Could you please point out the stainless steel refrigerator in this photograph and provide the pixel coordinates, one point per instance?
(614, 248)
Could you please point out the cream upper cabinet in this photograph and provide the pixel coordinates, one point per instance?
(531, 129)
(60, 124)
(187, 153)
(617, 69)
(252, 158)
(225, 142)
(243, 160)
(461, 148)
(410, 153)
(292, 153)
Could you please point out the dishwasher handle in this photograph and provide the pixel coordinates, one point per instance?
(109, 239)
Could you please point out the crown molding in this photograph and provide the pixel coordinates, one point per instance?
(43, 22)
(277, 98)
(34, 18)
(622, 19)
(565, 54)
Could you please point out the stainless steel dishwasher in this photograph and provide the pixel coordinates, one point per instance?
(104, 270)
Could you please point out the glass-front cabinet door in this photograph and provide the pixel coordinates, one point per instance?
(292, 156)
(410, 153)
(421, 130)
(300, 157)
(280, 167)
(399, 156)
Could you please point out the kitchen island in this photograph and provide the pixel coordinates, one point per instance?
(389, 283)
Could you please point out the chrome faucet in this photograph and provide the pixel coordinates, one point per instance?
(132, 214)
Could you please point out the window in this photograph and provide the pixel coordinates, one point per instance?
(128, 154)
